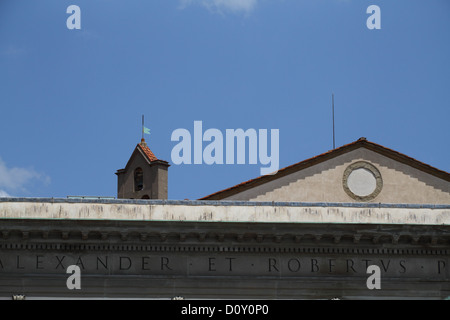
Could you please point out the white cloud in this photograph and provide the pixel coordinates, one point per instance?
(4, 194)
(245, 6)
(17, 179)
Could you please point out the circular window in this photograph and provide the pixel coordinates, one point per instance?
(362, 181)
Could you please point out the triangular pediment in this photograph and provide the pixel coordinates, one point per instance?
(358, 172)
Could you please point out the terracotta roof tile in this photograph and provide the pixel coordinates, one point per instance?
(146, 150)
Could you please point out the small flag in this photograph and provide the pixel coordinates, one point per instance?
(146, 130)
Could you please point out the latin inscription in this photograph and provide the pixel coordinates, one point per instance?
(221, 265)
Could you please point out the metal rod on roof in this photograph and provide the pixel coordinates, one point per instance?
(142, 127)
(332, 99)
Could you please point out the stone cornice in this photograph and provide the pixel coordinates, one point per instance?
(217, 211)
(247, 249)
(204, 233)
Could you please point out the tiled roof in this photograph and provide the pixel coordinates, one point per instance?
(146, 150)
(143, 150)
(362, 142)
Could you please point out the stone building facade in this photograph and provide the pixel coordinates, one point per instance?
(309, 232)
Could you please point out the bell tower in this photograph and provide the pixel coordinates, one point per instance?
(144, 176)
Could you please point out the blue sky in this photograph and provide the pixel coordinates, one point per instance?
(71, 100)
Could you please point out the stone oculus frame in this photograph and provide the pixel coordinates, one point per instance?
(369, 168)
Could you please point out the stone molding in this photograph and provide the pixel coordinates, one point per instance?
(222, 249)
(362, 165)
(294, 213)
(399, 243)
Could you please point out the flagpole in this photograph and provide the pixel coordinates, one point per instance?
(142, 127)
(332, 103)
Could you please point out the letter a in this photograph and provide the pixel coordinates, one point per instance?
(74, 21)
(184, 147)
(74, 281)
(215, 147)
(374, 21)
(374, 281)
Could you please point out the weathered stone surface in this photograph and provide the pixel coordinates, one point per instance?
(162, 249)
(210, 211)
